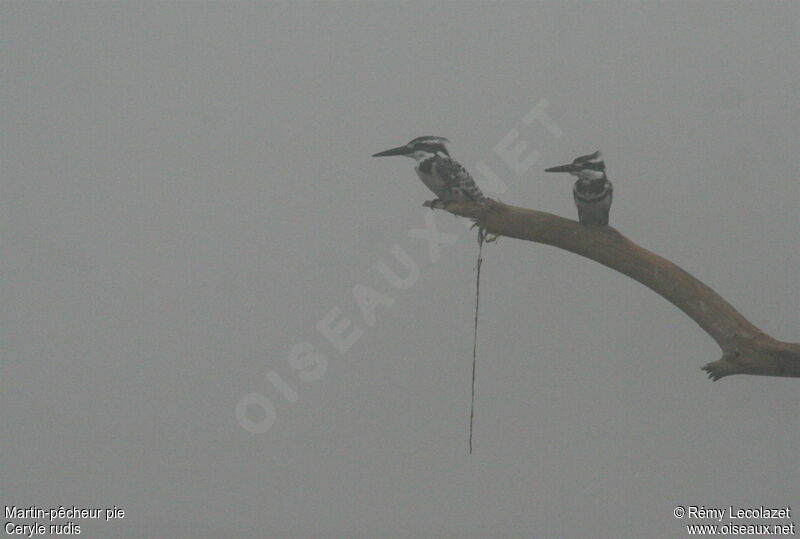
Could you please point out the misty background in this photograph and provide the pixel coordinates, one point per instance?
(187, 190)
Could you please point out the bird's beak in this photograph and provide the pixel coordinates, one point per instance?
(400, 150)
(564, 168)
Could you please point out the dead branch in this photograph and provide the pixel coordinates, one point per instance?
(745, 348)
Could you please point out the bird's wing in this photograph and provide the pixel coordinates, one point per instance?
(456, 176)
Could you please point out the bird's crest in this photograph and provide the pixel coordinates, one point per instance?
(593, 158)
(427, 140)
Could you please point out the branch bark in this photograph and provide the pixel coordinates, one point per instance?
(745, 348)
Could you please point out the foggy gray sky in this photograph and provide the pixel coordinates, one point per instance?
(187, 191)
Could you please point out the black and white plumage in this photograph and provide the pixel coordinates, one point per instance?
(592, 192)
(438, 171)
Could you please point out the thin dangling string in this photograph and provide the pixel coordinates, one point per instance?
(481, 238)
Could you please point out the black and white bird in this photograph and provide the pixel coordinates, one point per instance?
(592, 192)
(438, 171)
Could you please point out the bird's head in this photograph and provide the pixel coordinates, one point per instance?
(590, 167)
(420, 148)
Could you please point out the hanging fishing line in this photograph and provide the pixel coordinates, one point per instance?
(481, 238)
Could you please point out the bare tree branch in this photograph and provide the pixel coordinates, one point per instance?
(745, 348)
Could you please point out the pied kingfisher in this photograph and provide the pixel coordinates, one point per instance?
(592, 192)
(438, 171)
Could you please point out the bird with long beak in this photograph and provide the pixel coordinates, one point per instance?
(438, 171)
(451, 183)
(592, 192)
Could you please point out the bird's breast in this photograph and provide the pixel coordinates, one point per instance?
(592, 191)
(432, 181)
